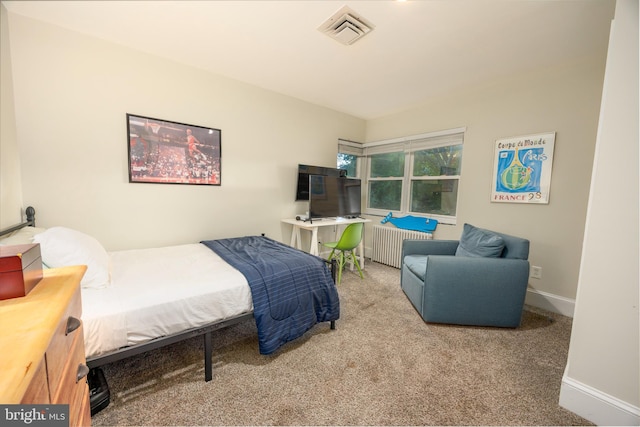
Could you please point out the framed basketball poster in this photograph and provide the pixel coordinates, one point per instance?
(166, 152)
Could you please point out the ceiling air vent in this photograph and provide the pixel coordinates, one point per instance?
(346, 26)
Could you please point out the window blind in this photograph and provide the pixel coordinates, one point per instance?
(350, 147)
(416, 142)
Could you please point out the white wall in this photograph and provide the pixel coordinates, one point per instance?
(565, 100)
(10, 182)
(601, 380)
(72, 93)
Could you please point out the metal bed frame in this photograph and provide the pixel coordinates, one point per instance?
(30, 213)
(156, 343)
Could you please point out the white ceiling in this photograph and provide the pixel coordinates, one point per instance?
(417, 51)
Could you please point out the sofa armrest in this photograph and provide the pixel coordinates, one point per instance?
(468, 290)
(429, 247)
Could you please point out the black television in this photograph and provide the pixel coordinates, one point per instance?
(334, 196)
(302, 190)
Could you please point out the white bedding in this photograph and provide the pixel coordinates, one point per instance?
(160, 291)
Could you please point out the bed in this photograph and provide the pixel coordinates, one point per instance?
(139, 300)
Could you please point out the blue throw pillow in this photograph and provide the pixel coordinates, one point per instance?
(476, 242)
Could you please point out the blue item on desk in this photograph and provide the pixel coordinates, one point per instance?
(411, 222)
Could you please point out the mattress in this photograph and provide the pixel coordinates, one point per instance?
(160, 291)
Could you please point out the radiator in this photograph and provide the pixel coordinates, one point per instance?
(387, 243)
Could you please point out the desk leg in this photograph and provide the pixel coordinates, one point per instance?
(296, 241)
(313, 250)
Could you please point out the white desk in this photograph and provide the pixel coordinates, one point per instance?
(296, 240)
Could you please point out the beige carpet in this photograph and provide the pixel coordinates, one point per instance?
(382, 366)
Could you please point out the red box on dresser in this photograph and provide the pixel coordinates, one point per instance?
(20, 269)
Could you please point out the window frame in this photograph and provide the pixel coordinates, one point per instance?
(410, 145)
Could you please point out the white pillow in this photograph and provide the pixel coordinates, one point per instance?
(23, 236)
(62, 246)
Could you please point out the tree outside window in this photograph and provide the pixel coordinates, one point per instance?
(349, 162)
(434, 183)
(385, 181)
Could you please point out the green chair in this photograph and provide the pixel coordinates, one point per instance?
(343, 250)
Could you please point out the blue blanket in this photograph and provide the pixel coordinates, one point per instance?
(291, 290)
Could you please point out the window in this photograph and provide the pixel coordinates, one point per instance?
(349, 154)
(416, 175)
(386, 174)
(348, 162)
(434, 180)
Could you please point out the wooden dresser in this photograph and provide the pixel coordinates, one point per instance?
(42, 357)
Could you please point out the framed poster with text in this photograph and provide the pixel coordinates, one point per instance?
(522, 169)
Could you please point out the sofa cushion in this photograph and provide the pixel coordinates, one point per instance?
(417, 264)
(477, 242)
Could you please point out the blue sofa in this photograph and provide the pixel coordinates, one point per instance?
(479, 280)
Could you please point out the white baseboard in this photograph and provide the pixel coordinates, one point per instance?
(550, 302)
(596, 406)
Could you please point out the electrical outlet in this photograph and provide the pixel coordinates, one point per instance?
(536, 272)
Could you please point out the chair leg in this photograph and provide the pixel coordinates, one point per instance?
(355, 261)
(340, 266)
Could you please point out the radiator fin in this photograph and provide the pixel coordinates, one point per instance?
(387, 243)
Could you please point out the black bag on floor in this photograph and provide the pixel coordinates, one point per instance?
(98, 390)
